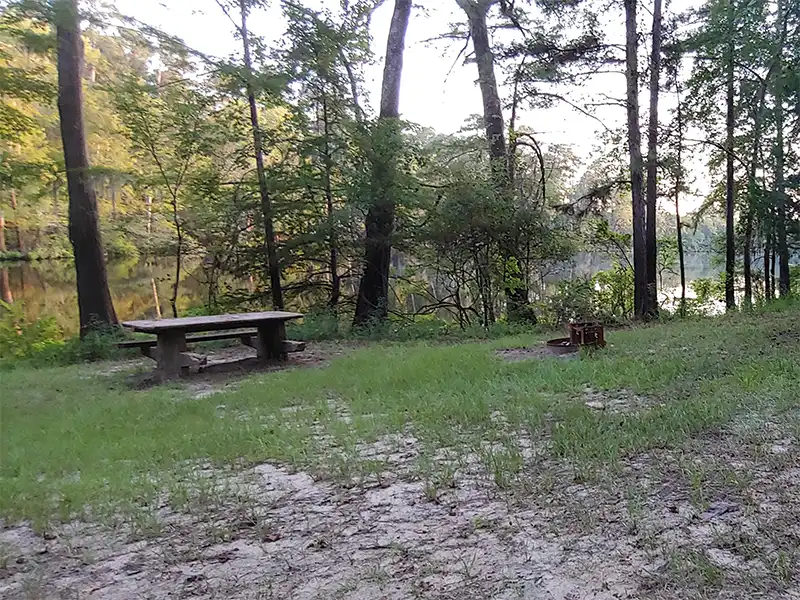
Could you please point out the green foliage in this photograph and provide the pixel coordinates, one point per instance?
(21, 338)
(40, 342)
(56, 246)
(708, 292)
(12, 255)
(573, 300)
(606, 297)
(613, 294)
(318, 325)
(118, 246)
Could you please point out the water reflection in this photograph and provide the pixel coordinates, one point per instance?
(140, 289)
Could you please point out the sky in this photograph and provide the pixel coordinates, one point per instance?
(439, 90)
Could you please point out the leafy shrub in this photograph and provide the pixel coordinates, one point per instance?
(41, 341)
(12, 255)
(51, 247)
(317, 325)
(21, 338)
(572, 301)
(613, 294)
(708, 292)
(606, 297)
(117, 246)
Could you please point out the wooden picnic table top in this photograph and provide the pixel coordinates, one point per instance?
(210, 323)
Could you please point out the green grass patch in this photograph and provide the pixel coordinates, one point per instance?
(78, 442)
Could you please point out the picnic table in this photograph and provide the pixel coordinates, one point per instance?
(265, 331)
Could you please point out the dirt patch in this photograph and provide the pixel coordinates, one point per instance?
(618, 401)
(227, 366)
(305, 539)
(714, 520)
(532, 353)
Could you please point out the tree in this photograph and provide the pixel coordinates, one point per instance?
(273, 265)
(730, 182)
(94, 299)
(652, 165)
(499, 160)
(784, 283)
(641, 307)
(373, 292)
(323, 59)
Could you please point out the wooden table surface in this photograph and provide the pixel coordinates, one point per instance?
(210, 323)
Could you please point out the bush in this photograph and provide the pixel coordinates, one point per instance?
(319, 325)
(12, 255)
(573, 300)
(51, 247)
(117, 246)
(613, 294)
(606, 297)
(42, 342)
(21, 338)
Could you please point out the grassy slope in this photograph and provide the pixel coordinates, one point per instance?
(70, 437)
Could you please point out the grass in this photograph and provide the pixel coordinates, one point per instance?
(78, 443)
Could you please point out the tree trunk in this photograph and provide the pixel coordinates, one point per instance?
(651, 243)
(113, 200)
(515, 288)
(635, 151)
(148, 203)
(94, 299)
(678, 183)
(17, 229)
(748, 260)
(2, 232)
(373, 291)
(336, 282)
(273, 266)
(173, 301)
(730, 248)
(772, 261)
(784, 284)
(156, 303)
(5, 287)
(768, 286)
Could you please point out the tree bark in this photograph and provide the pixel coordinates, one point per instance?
(784, 284)
(17, 229)
(678, 184)
(768, 286)
(651, 242)
(94, 299)
(148, 204)
(515, 289)
(2, 232)
(373, 291)
(273, 265)
(635, 151)
(730, 247)
(5, 287)
(336, 281)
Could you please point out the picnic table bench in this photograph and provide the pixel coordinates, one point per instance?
(264, 331)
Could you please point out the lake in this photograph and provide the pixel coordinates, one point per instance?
(142, 289)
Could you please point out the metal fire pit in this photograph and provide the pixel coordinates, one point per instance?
(562, 346)
(581, 335)
(590, 335)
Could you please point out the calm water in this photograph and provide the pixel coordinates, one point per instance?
(142, 289)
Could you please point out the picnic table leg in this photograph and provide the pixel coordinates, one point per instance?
(270, 341)
(170, 346)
